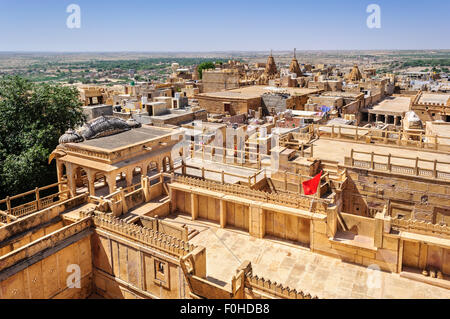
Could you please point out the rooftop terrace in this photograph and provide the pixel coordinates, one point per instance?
(126, 139)
(296, 267)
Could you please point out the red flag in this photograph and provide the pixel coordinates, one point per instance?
(310, 187)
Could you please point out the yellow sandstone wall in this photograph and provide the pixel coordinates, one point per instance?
(122, 270)
(47, 278)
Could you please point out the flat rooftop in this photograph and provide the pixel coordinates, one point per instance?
(334, 150)
(230, 95)
(261, 89)
(256, 91)
(428, 98)
(127, 138)
(342, 94)
(396, 104)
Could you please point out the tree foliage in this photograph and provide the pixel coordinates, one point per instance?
(32, 118)
(204, 66)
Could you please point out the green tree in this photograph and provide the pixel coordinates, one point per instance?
(32, 118)
(204, 66)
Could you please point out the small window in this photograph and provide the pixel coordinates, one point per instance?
(161, 268)
(162, 273)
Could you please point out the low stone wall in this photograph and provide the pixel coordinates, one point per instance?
(42, 268)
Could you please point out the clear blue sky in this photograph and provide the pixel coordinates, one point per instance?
(201, 25)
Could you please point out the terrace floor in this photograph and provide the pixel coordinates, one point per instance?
(298, 268)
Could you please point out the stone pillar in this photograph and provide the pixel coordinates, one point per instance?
(194, 206)
(111, 180)
(91, 185)
(38, 201)
(400, 257)
(144, 170)
(129, 177)
(173, 199)
(71, 180)
(146, 187)
(332, 221)
(124, 202)
(379, 228)
(59, 174)
(257, 222)
(396, 120)
(223, 213)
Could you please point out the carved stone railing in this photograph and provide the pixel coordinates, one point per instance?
(36, 205)
(439, 170)
(140, 234)
(401, 139)
(274, 289)
(286, 199)
(417, 226)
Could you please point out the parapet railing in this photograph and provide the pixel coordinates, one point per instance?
(417, 226)
(222, 173)
(296, 181)
(137, 233)
(273, 288)
(241, 156)
(13, 213)
(116, 202)
(286, 199)
(377, 136)
(389, 166)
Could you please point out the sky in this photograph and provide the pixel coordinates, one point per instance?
(232, 25)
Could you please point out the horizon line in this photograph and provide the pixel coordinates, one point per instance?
(218, 51)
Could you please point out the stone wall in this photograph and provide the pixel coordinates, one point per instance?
(47, 278)
(237, 106)
(40, 269)
(367, 190)
(216, 81)
(134, 262)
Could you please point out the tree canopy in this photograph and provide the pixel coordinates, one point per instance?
(32, 118)
(205, 66)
